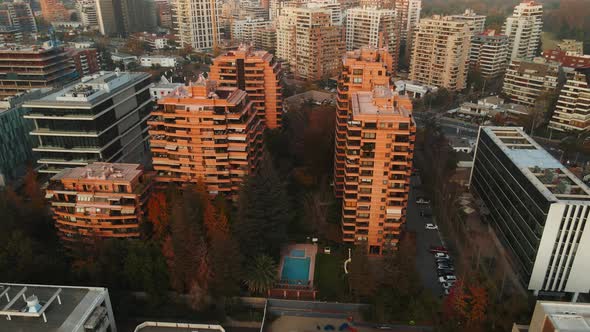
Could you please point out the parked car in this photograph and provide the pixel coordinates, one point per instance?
(422, 200)
(444, 272)
(435, 249)
(431, 226)
(450, 278)
(447, 291)
(443, 261)
(447, 285)
(445, 267)
(441, 255)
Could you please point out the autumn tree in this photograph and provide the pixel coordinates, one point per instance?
(466, 306)
(361, 280)
(158, 214)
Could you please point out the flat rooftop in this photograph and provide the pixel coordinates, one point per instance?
(545, 172)
(568, 317)
(380, 101)
(177, 327)
(75, 308)
(90, 90)
(116, 172)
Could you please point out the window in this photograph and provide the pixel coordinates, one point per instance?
(389, 135)
(369, 135)
(357, 80)
(357, 71)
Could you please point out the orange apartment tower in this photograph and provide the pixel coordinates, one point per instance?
(374, 152)
(257, 73)
(101, 200)
(204, 131)
(361, 70)
(53, 11)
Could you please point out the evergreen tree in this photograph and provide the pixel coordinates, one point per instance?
(262, 274)
(264, 213)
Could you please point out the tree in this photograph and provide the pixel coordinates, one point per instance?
(264, 212)
(262, 274)
(145, 269)
(158, 213)
(361, 280)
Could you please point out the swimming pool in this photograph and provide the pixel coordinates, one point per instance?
(295, 270)
(298, 253)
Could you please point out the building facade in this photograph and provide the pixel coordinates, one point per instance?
(85, 60)
(440, 52)
(566, 59)
(372, 27)
(525, 81)
(53, 11)
(572, 112)
(489, 54)
(361, 70)
(259, 75)
(27, 67)
(553, 316)
(196, 23)
(537, 207)
(478, 22)
(101, 118)
(246, 30)
(571, 47)
(18, 15)
(407, 14)
(524, 30)
(309, 42)
(87, 11)
(98, 201)
(379, 153)
(124, 17)
(266, 39)
(205, 132)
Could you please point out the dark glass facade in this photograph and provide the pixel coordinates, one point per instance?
(518, 210)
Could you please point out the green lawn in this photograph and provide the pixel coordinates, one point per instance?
(329, 277)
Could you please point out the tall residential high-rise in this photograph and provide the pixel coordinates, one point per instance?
(489, 54)
(407, 14)
(18, 15)
(477, 22)
(257, 73)
(196, 23)
(373, 27)
(53, 11)
(245, 30)
(87, 11)
(100, 200)
(572, 112)
(524, 29)
(123, 17)
(538, 209)
(380, 144)
(206, 132)
(101, 118)
(266, 39)
(27, 67)
(309, 42)
(361, 70)
(440, 52)
(525, 81)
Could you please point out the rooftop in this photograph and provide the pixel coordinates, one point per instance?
(89, 90)
(546, 173)
(177, 327)
(380, 101)
(62, 307)
(101, 171)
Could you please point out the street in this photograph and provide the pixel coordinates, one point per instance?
(424, 239)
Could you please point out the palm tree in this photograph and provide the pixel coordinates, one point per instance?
(261, 275)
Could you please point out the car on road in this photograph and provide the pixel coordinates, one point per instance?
(444, 272)
(431, 226)
(447, 285)
(422, 200)
(435, 249)
(445, 267)
(447, 261)
(450, 278)
(441, 255)
(447, 291)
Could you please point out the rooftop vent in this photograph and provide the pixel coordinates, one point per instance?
(33, 304)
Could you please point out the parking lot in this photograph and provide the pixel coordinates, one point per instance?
(424, 238)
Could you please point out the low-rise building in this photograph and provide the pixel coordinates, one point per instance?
(566, 59)
(123, 58)
(10, 35)
(572, 112)
(163, 89)
(158, 60)
(413, 89)
(86, 60)
(177, 327)
(246, 30)
(43, 308)
(153, 41)
(98, 201)
(553, 316)
(525, 81)
(571, 47)
(266, 39)
(539, 210)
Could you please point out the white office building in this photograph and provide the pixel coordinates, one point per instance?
(477, 22)
(197, 23)
(538, 208)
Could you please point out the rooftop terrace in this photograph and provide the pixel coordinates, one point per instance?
(548, 175)
(101, 171)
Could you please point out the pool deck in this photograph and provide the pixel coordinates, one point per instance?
(311, 251)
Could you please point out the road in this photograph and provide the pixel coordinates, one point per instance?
(424, 239)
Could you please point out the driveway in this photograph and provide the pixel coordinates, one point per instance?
(424, 239)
